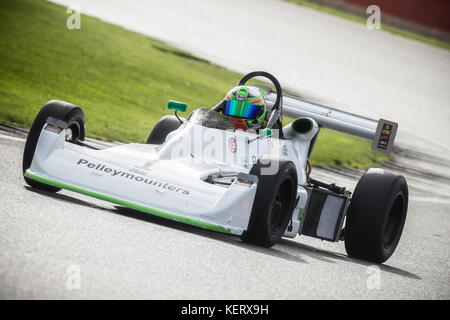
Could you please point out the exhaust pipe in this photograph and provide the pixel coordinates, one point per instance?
(301, 128)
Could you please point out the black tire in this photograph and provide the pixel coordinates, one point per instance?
(376, 216)
(273, 204)
(60, 110)
(162, 128)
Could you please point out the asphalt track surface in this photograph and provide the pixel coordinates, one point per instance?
(121, 253)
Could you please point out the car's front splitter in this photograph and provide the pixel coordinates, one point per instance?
(132, 205)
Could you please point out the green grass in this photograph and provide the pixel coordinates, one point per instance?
(335, 149)
(121, 79)
(353, 153)
(355, 18)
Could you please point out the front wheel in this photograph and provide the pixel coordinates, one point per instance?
(376, 216)
(70, 114)
(273, 204)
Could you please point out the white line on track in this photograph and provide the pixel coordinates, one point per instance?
(4, 136)
(430, 200)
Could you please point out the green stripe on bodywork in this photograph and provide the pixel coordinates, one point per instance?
(129, 204)
(299, 214)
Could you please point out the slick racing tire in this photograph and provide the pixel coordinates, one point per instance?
(162, 128)
(75, 131)
(376, 216)
(273, 204)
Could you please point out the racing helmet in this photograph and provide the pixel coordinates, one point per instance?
(245, 103)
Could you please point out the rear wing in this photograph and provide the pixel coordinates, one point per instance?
(381, 132)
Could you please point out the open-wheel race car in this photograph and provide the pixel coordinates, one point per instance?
(233, 168)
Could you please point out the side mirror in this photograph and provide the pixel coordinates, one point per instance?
(177, 106)
(265, 133)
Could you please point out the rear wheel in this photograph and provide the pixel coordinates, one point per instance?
(75, 131)
(376, 216)
(162, 128)
(273, 204)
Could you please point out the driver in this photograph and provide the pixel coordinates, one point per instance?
(244, 105)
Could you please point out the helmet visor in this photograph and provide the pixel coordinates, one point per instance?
(241, 109)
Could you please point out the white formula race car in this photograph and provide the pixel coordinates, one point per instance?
(207, 172)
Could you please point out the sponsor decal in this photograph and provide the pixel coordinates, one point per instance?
(53, 128)
(385, 134)
(284, 150)
(244, 182)
(232, 145)
(131, 176)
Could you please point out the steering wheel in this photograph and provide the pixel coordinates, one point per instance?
(276, 114)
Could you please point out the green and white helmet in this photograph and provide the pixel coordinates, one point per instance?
(248, 103)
